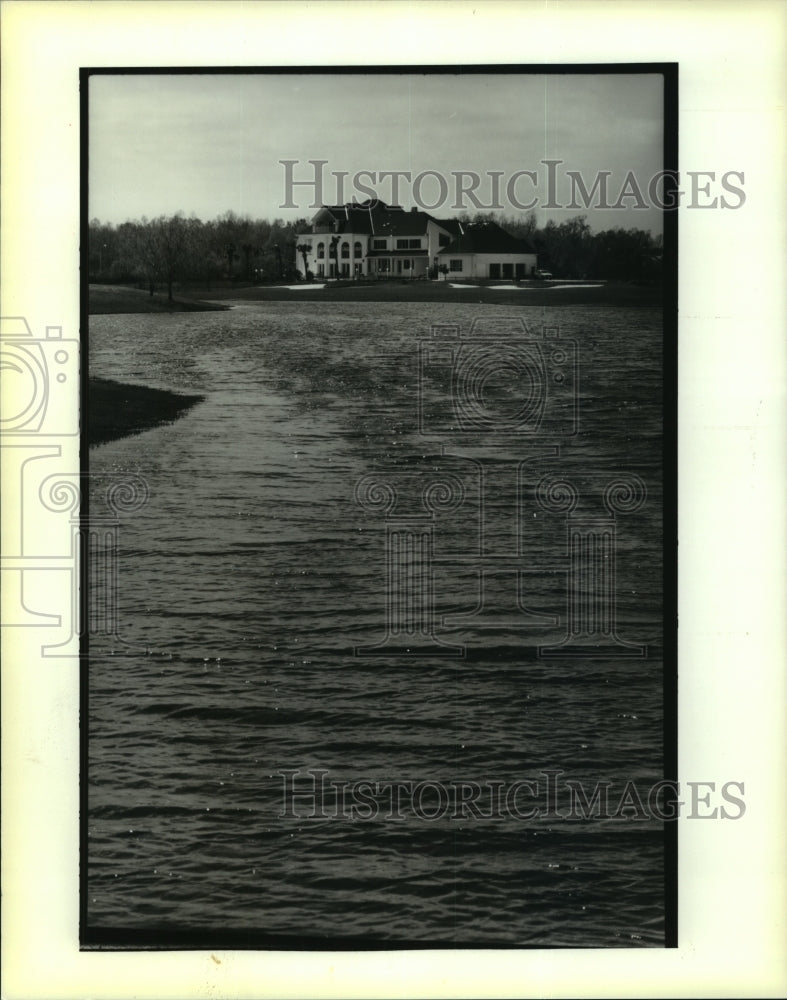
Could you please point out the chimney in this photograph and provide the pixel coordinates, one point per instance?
(413, 209)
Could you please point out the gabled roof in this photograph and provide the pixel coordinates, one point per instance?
(351, 218)
(377, 219)
(453, 226)
(404, 224)
(486, 237)
(364, 218)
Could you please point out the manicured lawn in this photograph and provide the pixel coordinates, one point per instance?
(526, 294)
(105, 299)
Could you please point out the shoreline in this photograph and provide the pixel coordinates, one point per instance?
(115, 410)
(531, 294)
(196, 298)
(112, 299)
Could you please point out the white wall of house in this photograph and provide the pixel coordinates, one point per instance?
(354, 262)
(350, 254)
(357, 261)
(460, 265)
(433, 234)
(482, 265)
(399, 264)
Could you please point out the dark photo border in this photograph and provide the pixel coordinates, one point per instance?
(92, 937)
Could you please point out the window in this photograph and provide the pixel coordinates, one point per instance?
(379, 244)
(406, 265)
(321, 270)
(520, 270)
(408, 244)
(320, 251)
(508, 270)
(345, 251)
(494, 270)
(454, 265)
(346, 268)
(357, 250)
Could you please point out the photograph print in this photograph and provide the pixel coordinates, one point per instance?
(378, 421)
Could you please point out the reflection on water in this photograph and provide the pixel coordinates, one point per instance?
(251, 576)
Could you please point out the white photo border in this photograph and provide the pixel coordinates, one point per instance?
(733, 313)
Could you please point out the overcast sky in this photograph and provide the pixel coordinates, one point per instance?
(206, 144)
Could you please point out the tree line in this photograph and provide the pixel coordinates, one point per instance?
(171, 250)
(571, 249)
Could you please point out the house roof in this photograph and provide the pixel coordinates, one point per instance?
(486, 237)
(370, 218)
(453, 226)
(376, 219)
(346, 218)
(405, 224)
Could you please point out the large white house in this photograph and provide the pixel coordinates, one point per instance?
(376, 240)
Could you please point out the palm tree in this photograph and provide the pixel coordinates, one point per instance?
(333, 251)
(304, 249)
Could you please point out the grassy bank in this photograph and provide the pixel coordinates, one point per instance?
(104, 299)
(527, 294)
(116, 409)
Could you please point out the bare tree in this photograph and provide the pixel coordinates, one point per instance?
(174, 239)
(137, 251)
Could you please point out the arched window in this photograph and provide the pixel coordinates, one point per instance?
(357, 251)
(320, 251)
(345, 251)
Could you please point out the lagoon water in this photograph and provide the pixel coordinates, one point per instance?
(252, 576)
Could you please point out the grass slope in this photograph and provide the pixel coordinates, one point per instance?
(531, 294)
(116, 409)
(105, 299)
